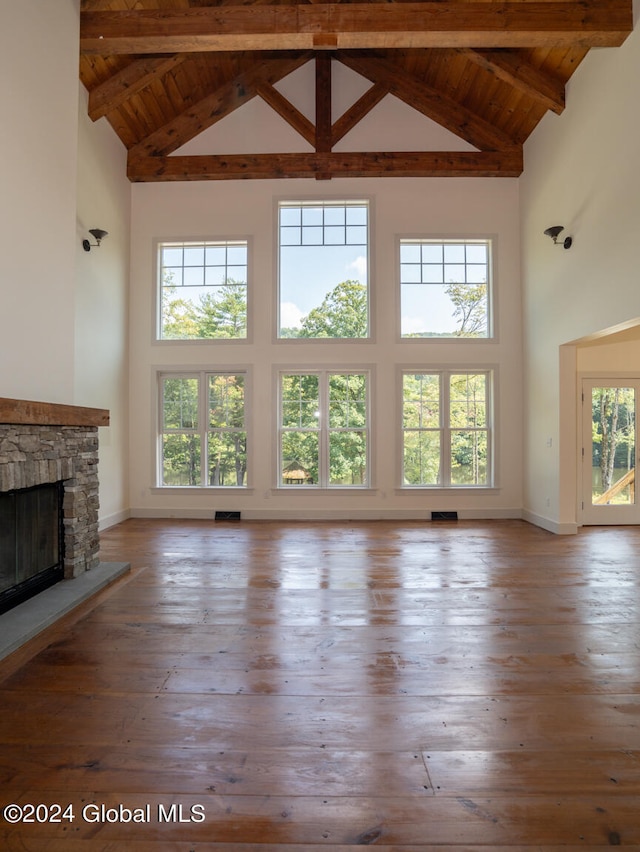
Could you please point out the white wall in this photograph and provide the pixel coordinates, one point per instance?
(63, 329)
(38, 144)
(101, 301)
(230, 209)
(580, 171)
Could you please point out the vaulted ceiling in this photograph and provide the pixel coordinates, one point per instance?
(164, 71)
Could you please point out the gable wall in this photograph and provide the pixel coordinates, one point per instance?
(232, 209)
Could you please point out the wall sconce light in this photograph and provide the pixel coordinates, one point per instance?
(553, 233)
(98, 234)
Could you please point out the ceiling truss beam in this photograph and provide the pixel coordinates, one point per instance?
(508, 23)
(327, 165)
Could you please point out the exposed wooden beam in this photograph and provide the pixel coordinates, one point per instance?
(286, 110)
(111, 94)
(510, 67)
(216, 106)
(427, 100)
(375, 164)
(508, 23)
(357, 111)
(323, 107)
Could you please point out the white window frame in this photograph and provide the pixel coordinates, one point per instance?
(421, 240)
(445, 429)
(324, 431)
(310, 202)
(202, 430)
(215, 242)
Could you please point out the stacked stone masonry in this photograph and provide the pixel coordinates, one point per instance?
(39, 455)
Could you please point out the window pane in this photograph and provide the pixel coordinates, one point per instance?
(454, 253)
(468, 400)
(453, 301)
(216, 255)
(335, 215)
(357, 214)
(171, 256)
(477, 253)
(347, 458)
(226, 401)
(347, 401)
(227, 462)
(213, 301)
(181, 460)
(300, 401)
(237, 255)
(421, 458)
(312, 216)
(469, 457)
(180, 403)
(193, 276)
(194, 256)
(290, 215)
(300, 458)
(421, 395)
(323, 285)
(410, 253)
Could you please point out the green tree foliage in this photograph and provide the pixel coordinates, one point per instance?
(180, 445)
(342, 313)
(219, 314)
(421, 423)
(227, 439)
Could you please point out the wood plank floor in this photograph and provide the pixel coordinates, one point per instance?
(315, 686)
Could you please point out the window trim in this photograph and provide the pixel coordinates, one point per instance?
(156, 330)
(445, 372)
(492, 288)
(324, 200)
(202, 374)
(323, 370)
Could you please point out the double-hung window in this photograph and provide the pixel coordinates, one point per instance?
(446, 429)
(202, 290)
(323, 249)
(445, 288)
(203, 437)
(324, 428)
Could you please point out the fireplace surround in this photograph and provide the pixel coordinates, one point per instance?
(46, 443)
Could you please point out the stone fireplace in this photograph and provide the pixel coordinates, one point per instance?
(44, 443)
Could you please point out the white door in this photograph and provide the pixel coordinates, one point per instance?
(609, 448)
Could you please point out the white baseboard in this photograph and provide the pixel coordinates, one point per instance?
(549, 524)
(329, 514)
(113, 519)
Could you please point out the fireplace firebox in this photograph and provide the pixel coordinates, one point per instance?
(31, 542)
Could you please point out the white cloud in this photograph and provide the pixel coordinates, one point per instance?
(290, 315)
(359, 265)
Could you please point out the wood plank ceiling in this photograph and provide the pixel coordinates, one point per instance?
(163, 71)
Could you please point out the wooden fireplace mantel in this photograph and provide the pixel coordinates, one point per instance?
(26, 412)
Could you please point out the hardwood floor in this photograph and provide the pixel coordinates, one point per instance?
(309, 686)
